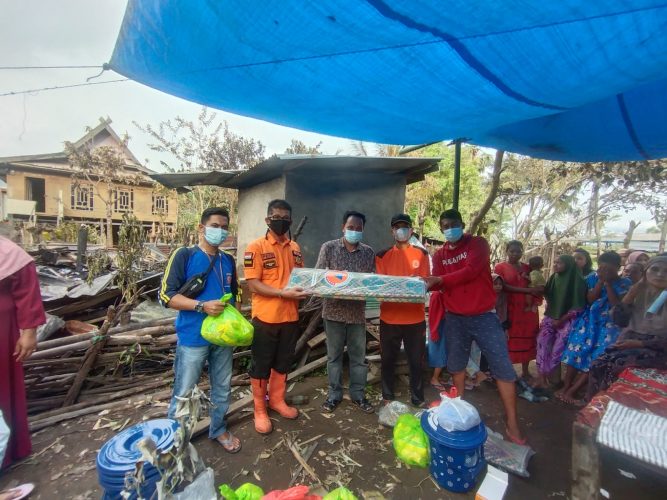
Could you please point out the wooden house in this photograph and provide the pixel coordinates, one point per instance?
(47, 188)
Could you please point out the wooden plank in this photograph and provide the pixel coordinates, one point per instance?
(317, 340)
(373, 333)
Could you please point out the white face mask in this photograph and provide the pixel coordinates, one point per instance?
(402, 234)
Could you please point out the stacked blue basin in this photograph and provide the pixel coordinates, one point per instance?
(119, 455)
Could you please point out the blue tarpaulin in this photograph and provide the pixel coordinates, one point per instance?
(568, 79)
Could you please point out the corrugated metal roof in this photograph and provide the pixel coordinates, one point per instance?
(180, 180)
(413, 168)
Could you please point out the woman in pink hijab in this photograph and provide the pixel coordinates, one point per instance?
(638, 257)
(22, 312)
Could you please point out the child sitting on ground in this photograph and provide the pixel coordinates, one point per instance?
(537, 281)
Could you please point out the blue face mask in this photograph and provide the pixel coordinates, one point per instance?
(402, 234)
(453, 235)
(215, 235)
(353, 237)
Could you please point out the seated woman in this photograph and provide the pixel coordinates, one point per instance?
(594, 330)
(643, 343)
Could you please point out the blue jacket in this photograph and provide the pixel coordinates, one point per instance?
(184, 263)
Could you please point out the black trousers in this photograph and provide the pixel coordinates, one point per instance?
(413, 338)
(272, 347)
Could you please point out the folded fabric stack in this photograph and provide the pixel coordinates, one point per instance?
(358, 286)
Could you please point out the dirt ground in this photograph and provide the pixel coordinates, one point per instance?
(353, 450)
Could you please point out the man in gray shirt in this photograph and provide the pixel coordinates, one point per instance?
(345, 320)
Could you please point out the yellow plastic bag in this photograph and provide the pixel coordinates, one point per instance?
(410, 441)
(229, 328)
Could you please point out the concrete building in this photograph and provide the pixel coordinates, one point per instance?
(321, 188)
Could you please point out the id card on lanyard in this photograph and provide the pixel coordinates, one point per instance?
(220, 275)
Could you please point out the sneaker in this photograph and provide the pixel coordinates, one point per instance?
(418, 404)
(330, 405)
(364, 405)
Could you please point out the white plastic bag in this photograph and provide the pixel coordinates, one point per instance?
(202, 488)
(4, 437)
(454, 414)
(388, 414)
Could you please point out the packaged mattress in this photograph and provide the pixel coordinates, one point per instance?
(358, 286)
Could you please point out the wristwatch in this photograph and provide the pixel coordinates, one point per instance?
(199, 307)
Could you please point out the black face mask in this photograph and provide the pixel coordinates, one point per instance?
(280, 227)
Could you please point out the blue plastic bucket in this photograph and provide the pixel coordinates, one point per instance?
(119, 455)
(457, 457)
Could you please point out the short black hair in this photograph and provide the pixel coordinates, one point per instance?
(453, 214)
(210, 212)
(353, 213)
(280, 205)
(536, 260)
(611, 258)
(514, 243)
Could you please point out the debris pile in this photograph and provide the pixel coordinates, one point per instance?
(97, 368)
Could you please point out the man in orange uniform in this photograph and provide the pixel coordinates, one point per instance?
(403, 322)
(268, 262)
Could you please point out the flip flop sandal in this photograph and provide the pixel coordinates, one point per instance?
(225, 443)
(23, 490)
(439, 386)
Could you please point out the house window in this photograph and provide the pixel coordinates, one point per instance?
(82, 197)
(160, 205)
(35, 190)
(123, 200)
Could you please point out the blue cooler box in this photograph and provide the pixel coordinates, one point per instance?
(457, 458)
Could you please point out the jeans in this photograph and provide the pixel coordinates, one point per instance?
(187, 371)
(339, 334)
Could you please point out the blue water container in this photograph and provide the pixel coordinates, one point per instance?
(119, 455)
(457, 457)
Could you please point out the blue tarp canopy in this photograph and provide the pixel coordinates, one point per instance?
(568, 79)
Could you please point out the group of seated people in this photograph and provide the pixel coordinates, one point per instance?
(596, 322)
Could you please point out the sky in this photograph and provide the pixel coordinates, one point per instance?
(83, 32)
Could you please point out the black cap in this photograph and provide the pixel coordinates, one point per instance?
(401, 218)
(451, 214)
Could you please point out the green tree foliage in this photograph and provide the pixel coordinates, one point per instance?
(425, 200)
(131, 251)
(203, 145)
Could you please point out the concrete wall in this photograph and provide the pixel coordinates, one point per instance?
(252, 212)
(325, 199)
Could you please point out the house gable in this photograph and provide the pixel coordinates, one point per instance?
(48, 180)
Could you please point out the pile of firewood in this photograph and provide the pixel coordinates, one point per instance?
(114, 367)
(82, 371)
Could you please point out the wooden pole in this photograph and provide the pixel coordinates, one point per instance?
(299, 228)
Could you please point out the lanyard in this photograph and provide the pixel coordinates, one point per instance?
(218, 272)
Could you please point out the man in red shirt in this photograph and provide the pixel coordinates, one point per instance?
(462, 272)
(402, 322)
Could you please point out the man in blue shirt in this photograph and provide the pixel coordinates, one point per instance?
(192, 351)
